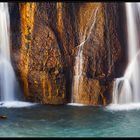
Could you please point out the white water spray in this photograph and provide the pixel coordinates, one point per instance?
(127, 89)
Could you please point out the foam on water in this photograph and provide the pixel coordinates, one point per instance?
(123, 107)
(16, 104)
(76, 104)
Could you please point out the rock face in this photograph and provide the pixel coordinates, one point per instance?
(101, 53)
(41, 64)
(46, 41)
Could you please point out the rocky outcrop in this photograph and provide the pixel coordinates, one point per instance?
(41, 64)
(102, 51)
(48, 39)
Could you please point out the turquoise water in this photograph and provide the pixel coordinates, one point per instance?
(68, 121)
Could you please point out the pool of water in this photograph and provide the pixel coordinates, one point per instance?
(68, 121)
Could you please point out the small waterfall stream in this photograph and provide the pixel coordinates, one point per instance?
(127, 88)
(78, 68)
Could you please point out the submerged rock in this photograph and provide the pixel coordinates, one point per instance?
(3, 117)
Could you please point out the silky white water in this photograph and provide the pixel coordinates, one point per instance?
(8, 82)
(127, 89)
(76, 104)
(7, 76)
(78, 67)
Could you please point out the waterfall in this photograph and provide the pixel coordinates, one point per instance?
(127, 88)
(8, 82)
(7, 75)
(78, 67)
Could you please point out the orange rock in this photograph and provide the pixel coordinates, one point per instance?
(50, 37)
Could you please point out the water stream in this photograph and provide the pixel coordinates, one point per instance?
(78, 68)
(9, 97)
(127, 88)
(7, 75)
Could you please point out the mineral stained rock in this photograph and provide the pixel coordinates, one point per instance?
(45, 44)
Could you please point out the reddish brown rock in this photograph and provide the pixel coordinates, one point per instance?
(47, 44)
(102, 50)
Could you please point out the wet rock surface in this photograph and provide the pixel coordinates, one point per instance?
(45, 43)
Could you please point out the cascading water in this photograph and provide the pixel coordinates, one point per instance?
(7, 76)
(78, 68)
(127, 89)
